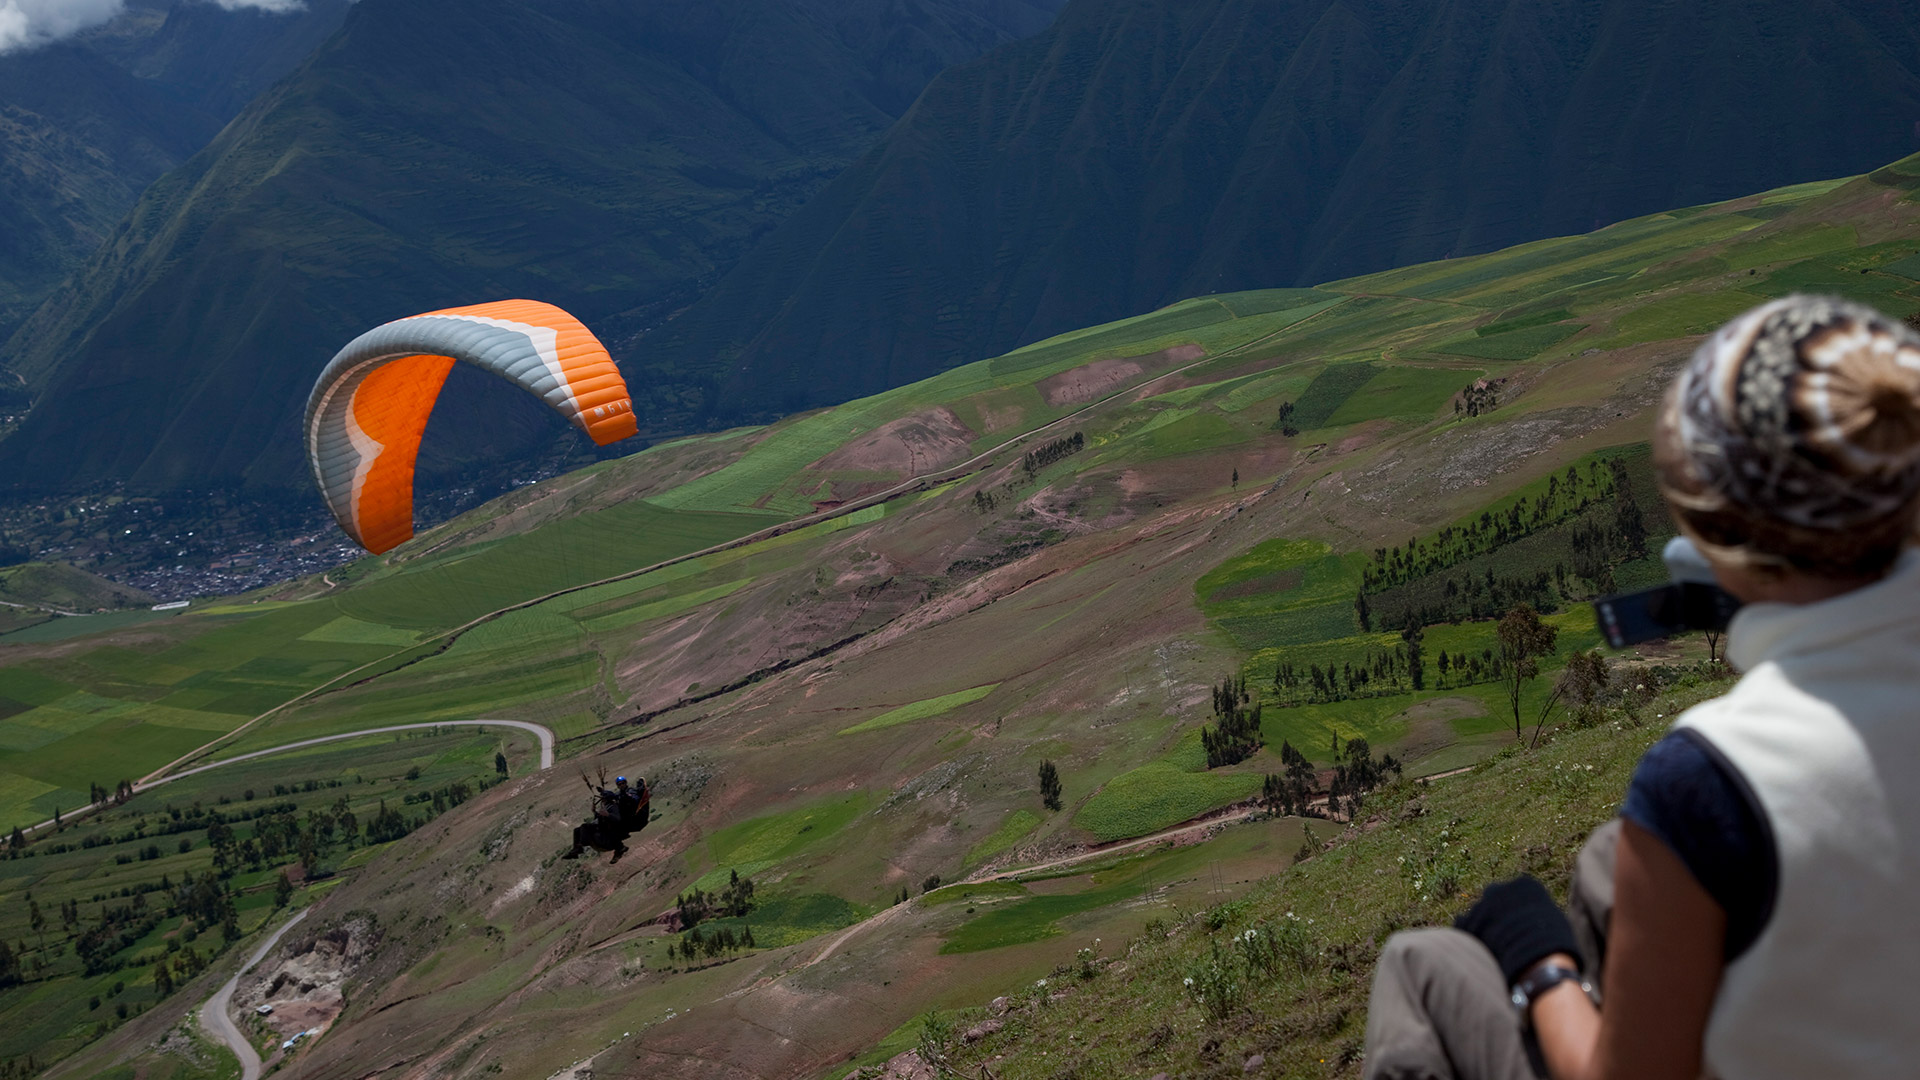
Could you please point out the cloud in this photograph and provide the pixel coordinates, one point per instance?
(277, 7)
(29, 24)
(26, 24)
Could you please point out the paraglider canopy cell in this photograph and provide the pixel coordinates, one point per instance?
(370, 406)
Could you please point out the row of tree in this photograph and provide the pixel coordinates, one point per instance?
(694, 945)
(1057, 450)
(1356, 771)
(1377, 672)
(1568, 495)
(733, 901)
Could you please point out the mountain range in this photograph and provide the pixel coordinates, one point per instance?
(86, 124)
(610, 157)
(1140, 151)
(758, 207)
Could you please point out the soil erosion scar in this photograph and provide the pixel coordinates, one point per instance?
(213, 1015)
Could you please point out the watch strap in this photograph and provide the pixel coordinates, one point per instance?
(1542, 979)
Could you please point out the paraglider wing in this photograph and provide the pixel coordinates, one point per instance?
(371, 403)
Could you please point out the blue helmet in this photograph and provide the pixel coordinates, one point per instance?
(619, 779)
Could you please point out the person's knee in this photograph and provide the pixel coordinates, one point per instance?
(1432, 950)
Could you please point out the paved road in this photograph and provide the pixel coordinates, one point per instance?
(545, 735)
(213, 1015)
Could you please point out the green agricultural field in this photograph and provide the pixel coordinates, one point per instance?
(1014, 829)
(1163, 793)
(756, 844)
(1329, 391)
(572, 551)
(922, 710)
(1514, 344)
(1411, 392)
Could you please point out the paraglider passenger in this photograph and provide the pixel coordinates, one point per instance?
(1749, 914)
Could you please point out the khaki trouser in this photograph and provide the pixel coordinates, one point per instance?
(1440, 1008)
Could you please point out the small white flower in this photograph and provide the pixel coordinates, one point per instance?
(1040, 982)
(1188, 980)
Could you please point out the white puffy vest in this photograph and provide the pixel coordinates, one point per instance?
(1825, 728)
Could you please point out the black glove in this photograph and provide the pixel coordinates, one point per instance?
(1520, 925)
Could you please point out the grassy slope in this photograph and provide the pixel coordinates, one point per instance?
(1418, 861)
(1089, 628)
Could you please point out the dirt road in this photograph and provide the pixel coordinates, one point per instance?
(544, 734)
(213, 1015)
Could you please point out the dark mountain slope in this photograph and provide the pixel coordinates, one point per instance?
(607, 156)
(86, 125)
(1144, 150)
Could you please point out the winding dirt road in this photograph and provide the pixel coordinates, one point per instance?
(213, 1015)
(544, 734)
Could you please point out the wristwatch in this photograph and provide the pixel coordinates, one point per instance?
(1542, 979)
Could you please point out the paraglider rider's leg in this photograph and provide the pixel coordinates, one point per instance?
(1440, 1008)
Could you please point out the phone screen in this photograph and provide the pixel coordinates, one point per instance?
(1650, 614)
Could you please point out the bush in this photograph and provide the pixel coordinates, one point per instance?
(1216, 982)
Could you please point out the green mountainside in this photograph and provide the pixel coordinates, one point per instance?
(1141, 152)
(86, 125)
(606, 156)
(842, 647)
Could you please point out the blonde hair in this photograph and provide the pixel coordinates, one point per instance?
(1791, 440)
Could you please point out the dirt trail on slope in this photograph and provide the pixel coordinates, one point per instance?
(213, 1015)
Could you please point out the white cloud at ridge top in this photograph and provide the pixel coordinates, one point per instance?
(276, 7)
(29, 24)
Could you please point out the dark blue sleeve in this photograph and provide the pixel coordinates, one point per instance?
(1686, 793)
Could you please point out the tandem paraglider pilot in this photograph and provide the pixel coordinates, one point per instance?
(1749, 915)
(618, 813)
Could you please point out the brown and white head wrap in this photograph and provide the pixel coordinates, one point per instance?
(1792, 437)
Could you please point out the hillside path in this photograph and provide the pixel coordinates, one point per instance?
(213, 1015)
(544, 734)
(1174, 833)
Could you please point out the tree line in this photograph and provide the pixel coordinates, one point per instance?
(1356, 772)
(733, 901)
(1059, 449)
(1235, 734)
(1568, 494)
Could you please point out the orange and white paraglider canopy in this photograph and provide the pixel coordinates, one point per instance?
(370, 406)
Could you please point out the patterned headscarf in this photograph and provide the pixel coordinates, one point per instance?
(1793, 437)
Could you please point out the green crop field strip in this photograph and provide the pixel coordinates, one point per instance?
(764, 841)
(1329, 390)
(922, 710)
(1163, 793)
(1521, 344)
(1014, 829)
(1413, 392)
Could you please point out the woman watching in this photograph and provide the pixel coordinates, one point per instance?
(1748, 915)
